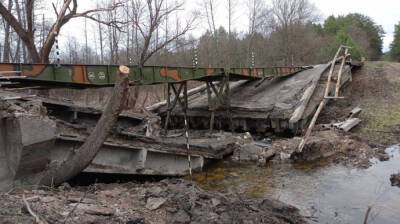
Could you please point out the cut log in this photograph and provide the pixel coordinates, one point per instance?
(339, 79)
(83, 156)
(356, 111)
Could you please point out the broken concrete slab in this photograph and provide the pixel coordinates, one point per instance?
(26, 138)
(278, 105)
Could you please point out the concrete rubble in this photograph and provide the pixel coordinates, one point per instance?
(169, 201)
(395, 179)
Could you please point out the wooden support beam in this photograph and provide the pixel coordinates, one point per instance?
(324, 100)
(339, 78)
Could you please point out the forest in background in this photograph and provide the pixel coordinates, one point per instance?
(154, 32)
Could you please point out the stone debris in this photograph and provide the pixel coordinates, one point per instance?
(168, 201)
(331, 145)
(95, 209)
(395, 179)
(155, 203)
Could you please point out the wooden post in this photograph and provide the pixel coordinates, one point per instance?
(184, 106)
(339, 79)
(327, 89)
(311, 126)
(168, 108)
(323, 102)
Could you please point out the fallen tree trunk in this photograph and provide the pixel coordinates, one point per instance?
(83, 156)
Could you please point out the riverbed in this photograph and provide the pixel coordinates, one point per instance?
(324, 192)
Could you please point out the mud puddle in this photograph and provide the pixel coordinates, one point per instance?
(325, 193)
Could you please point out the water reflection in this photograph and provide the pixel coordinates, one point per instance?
(324, 192)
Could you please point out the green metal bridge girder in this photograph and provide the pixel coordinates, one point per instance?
(104, 75)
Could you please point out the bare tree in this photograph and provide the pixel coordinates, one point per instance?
(67, 12)
(209, 13)
(147, 18)
(7, 50)
(288, 16)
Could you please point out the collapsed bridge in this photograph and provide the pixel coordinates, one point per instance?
(260, 100)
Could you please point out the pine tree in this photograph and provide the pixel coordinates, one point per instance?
(395, 46)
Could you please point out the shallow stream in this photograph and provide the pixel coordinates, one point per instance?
(325, 193)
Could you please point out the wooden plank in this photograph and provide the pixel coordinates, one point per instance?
(331, 72)
(349, 124)
(322, 104)
(355, 112)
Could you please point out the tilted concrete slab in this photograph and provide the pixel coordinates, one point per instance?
(261, 106)
(25, 143)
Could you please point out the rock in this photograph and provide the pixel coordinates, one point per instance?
(383, 157)
(248, 152)
(40, 192)
(95, 210)
(284, 156)
(395, 179)
(76, 199)
(64, 186)
(261, 162)
(181, 217)
(215, 202)
(155, 203)
(135, 221)
(233, 174)
(154, 191)
(111, 193)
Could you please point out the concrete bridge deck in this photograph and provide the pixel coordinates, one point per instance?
(262, 106)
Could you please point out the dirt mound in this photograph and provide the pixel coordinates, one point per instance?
(331, 145)
(169, 201)
(375, 89)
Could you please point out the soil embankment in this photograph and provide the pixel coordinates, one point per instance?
(375, 89)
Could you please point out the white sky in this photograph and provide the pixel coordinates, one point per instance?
(383, 12)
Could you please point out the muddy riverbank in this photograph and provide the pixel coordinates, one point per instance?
(324, 192)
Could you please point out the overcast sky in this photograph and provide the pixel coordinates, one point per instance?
(383, 12)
